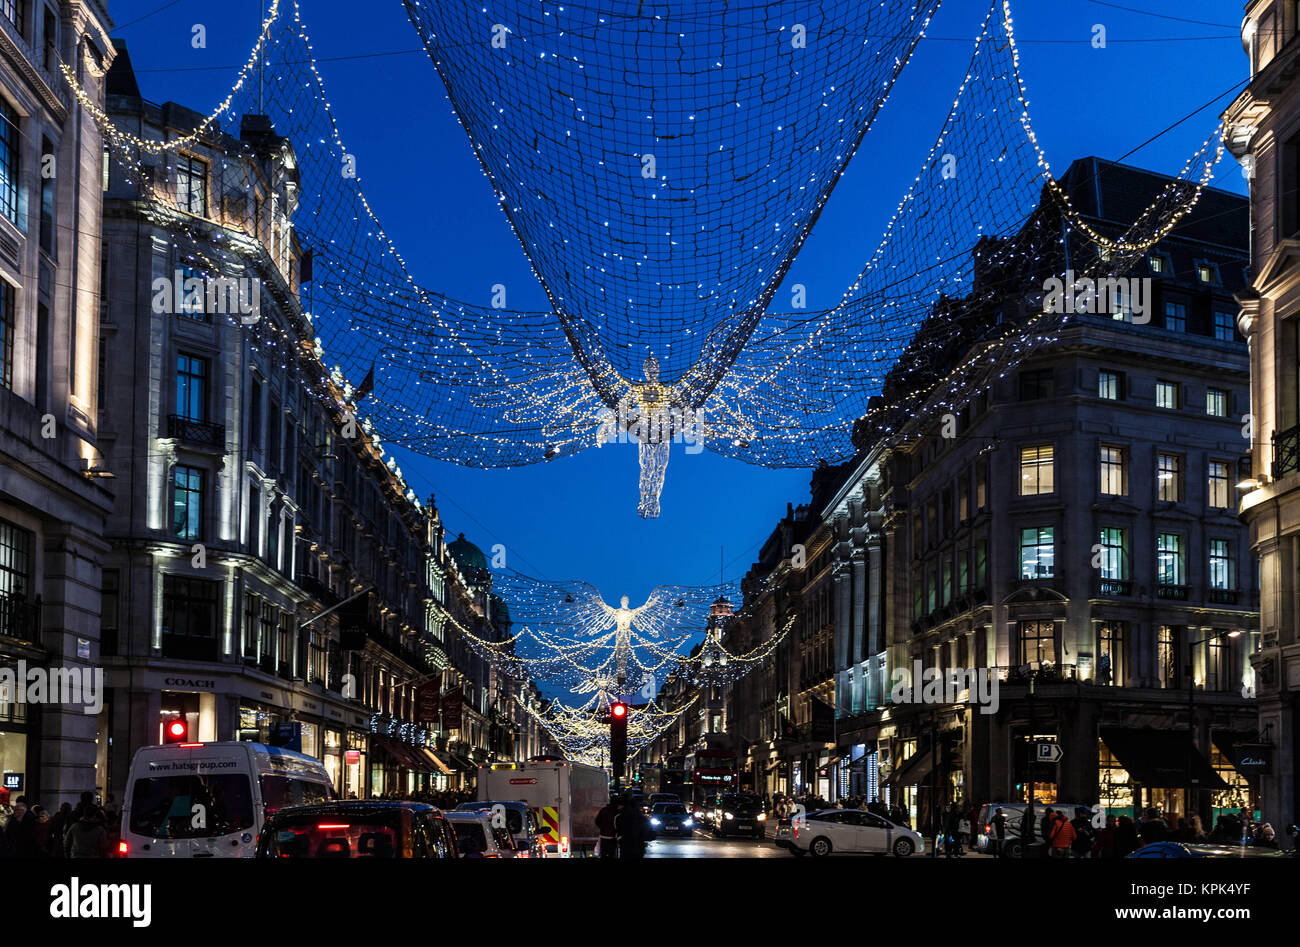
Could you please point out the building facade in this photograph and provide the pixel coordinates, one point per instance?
(1263, 126)
(272, 577)
(53, 500)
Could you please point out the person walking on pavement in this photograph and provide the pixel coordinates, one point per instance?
(1060, 836)
(605, 828)
(999, 823)
(629, 824)
(87, 838)
(1083, 834)
(20, 831)
(1028, 832)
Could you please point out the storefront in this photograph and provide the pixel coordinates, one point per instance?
(354, 766)
(19, 750)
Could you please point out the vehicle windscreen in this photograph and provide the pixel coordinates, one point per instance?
(281, 791)
(742, 803)
(193, 805)
(669, 808)
(470, 839)
(317, 835)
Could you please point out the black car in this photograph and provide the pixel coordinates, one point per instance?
(357, 828)
(671, 818)
(740, 814)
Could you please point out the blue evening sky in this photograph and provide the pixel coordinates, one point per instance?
(575, 518)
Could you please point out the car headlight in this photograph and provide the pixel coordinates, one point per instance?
(654, 821)
(688, 823)
(728, 815)
(762, 817)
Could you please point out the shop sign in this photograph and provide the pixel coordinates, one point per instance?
(14, 782)
(1253, 758)
(352, 757)
(83, 649)
(199, 683)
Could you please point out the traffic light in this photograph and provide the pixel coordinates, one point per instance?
(618, 738)
(176, 731)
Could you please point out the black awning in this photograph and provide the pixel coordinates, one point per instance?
(401, 754)
(914, 769)
(1160, 759)
(1242, 748)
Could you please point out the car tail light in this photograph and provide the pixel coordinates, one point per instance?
(122, 849)
(564, 844)
(332, 825)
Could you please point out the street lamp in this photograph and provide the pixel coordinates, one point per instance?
(1193, 796)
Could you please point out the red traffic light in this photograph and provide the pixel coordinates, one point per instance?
(619, 710)
(176, 731)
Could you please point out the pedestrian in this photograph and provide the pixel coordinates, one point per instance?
(951, 838)
(1153, 828)
(1126, 837)
(1045, 826)
(630, 826)
(58, 828)
(1084, 836)
(87, 838)
(43, 831)
(1028, 832)
(1103, 846)
(20, 831)
(1060, 836)
(999, 823)
(1265, 837)
(605, 828)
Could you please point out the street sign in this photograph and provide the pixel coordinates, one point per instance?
(1048, 752)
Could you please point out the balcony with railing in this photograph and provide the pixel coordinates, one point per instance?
(1286, 452)
(1114, 588)
(1221, 596)
(1172, 593)
(196, 433)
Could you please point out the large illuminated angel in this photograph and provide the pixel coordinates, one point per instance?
(643, 638)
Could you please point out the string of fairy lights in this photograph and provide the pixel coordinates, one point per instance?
(487, 386)
(657, 320)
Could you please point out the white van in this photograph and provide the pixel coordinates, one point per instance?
(209, 800)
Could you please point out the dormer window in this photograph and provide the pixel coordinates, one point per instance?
(1207, 273)
(1161, 264)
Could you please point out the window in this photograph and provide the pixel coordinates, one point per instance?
(981, 562)
(981, 484)
(1036, 384)
(1112, 471)
(1167, 395)
(255, 413)
(1207, 272)
(194, 302)
(273, 439)
(266, 631)
(13, 12)
(191, 387)
(963, 571)
(1110, 385)
(1225, 326)
(286, 641)
(252, 610)
(47, 196)
(1037, 642)
(1216, 402)
(6, 334)
(1114, 553)
(15, 561)
(1170, 564)
(51, 33)
(1110, 653)
(9, 138)
(1176, 317)
(192, 185)
(1218, 484)
(1221, 571)
(1036, 470)
(109, 609)
(918, 596)
(1037, 553)
(947, 580)
(1167, 657)
(189, 627)
(187, 502)
(1161, 264)
(932, 590)
(1169, 477)
(963, 498)
(1216, 664)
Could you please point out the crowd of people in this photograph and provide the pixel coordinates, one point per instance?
(443, 799)
(29, 830)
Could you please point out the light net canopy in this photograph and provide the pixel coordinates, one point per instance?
(662, 162)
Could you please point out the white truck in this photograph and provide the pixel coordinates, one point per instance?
(562, 797)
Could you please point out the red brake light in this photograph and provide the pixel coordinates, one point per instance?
(332, 825)
(188, 746)
(121, 848)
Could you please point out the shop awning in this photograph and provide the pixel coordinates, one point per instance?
(435, 764)
(1160, 759)
(1248, 756)
(402, 754)
(457, 762)
(914, 770)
